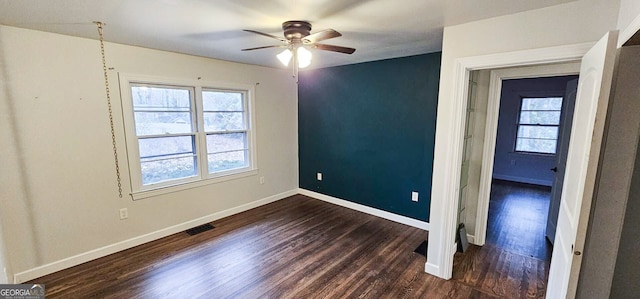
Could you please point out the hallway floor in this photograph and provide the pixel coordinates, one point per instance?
(518, 218)
(514, 262)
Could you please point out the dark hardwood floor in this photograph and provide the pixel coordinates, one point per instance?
(297, 247)
(518, 218)
(514, 262)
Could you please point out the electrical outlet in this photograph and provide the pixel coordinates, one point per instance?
(124, 213)
(414, 196)
(319, 176)
(261, 180)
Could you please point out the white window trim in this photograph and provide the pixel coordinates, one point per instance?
(203, 178)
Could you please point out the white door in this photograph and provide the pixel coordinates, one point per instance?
(596, 72)
(561, 158)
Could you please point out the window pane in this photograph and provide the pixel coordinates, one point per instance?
(538, 132)
(536, 145)
(540, 117)
(226, 142)
(227, 161)
(538, 125)
(166, 146)
(169, 169)
(160, 98)
(222, 101)
(223, 121)
(156, 123)
(541, 104)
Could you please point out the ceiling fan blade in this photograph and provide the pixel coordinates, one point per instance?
(339, 49)
(263, 47)
(320, 36)
(282, 39)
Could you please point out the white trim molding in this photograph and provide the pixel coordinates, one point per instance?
(471, 239)
(627, 33)
(523, 180)
(543, 56)
(449, 142)
(365, 209)
(139, 240)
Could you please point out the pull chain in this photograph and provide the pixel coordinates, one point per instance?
(106, 85)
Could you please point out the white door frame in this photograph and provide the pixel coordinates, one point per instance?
(629, 31)
(491, 129)
(444, 196)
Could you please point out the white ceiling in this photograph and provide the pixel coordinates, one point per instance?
(378, 29)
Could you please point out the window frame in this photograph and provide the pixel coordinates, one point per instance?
(518, 125)
(246, 122)
(193, 134)
(202, 177)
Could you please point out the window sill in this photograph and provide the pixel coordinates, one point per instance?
(533, 154)
(190, 185)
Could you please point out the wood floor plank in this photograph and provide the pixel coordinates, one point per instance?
(517, 218)
(297, 247)
(514, 262)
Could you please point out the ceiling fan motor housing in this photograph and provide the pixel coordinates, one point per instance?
(296, 30)
(298, 34)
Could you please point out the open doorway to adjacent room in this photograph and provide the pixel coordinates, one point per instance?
(519, 121)
(534, 127)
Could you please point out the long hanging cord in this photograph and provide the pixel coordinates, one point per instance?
(106, 85)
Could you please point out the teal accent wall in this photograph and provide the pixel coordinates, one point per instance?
(369, 128)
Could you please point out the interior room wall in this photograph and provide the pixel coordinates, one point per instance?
(369, 129)
(4, 265)
(629, 13)
(59, 195)
(566, 24)
(481, 98)
(626, 274)
(611, 259)
(516, 166)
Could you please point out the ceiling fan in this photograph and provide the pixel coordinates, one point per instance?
(297, 38)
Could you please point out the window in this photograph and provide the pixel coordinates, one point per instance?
(163, 117)
(538, 125)
(226, 128)
(182, 135)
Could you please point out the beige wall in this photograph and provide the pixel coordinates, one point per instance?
(629, 11)
(4, 267)
(611, 259)
(59, 196)
(475, 163)
(571, 23)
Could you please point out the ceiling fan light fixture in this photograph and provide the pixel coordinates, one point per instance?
(285, 57)
(297, 38)
(304, 57)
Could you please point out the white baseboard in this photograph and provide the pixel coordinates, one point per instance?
(365, 209)
(471, 239)
(432, 269)
(522, 180)
(435, 270)
(126, 244)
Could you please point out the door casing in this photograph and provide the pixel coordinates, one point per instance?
(444, 204)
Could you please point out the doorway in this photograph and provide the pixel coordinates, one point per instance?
(532, 138)
(514, 226)
(596, 71)
(514, 166)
